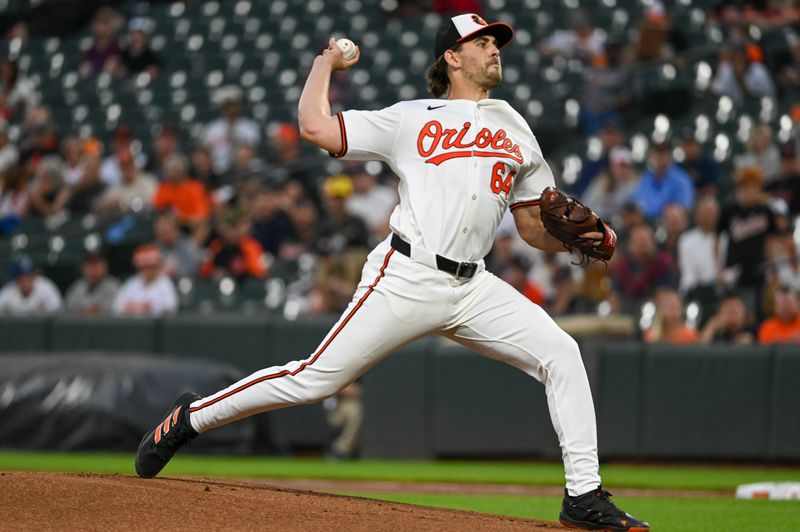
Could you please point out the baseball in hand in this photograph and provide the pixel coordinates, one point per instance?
(347, 47)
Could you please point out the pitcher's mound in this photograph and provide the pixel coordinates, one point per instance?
(54, 501)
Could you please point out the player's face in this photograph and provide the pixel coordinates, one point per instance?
(481, 61)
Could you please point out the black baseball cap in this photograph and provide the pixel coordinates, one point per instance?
(94, 255)
(468, 26)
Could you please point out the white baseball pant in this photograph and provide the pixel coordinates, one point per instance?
(400, 299)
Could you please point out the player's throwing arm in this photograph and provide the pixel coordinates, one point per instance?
(317, 125)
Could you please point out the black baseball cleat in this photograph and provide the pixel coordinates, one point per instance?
(160, 444)
(596, 511)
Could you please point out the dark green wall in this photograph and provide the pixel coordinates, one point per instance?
(436, 399)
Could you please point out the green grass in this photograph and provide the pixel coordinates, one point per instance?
(663, 514)
(526, 473)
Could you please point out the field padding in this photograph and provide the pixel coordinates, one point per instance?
(70, 501)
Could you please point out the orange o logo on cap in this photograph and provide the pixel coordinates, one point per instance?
(478, 20)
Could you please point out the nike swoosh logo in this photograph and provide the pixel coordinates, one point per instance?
(431, 108)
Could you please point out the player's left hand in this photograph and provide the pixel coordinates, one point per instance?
(333, 54)
(576, 226)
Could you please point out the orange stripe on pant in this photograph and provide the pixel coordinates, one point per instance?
(316, 356)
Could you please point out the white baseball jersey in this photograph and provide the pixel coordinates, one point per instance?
(43, 299)
(135, 297)
(461, 163)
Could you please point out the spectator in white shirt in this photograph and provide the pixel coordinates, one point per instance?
(29, 294)
(111, 168)
(231, 129)
(150, 292)
(610, 190)
(135, 190)
(696, 257)
(741, 75)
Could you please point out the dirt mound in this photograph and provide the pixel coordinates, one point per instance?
(53, 501)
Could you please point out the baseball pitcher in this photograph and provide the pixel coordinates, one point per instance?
(462, 161)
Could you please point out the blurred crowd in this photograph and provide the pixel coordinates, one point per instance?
(707, 252)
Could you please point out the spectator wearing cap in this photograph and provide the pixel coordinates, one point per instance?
(286, 150)
(305, 229)
(663, 183)
(669, 326)
(111, 168)
(729, 324)
(150, 292)
(762, 153)
(701, 168)
(104, 51)
(135, 191)
(372, 202)
(187, 198)
(88, 189)
(271, 224)
(341, 229)
(741, 74)
(38, 138)
(222, 135)
(138, 56)
(697, 257)
(612, 188)
(180, 254)
(203, 168)
(629, 217)
(285, 143)
(28, 293)
(9, 153)
(641, 269)
(94, 292)
(748, 223)
(234, 252)
(516, 272)
(165, 144)
(557, 280)
(49, 194)
(784, 326)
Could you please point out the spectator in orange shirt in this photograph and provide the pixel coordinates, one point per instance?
(185, 196)
(669, 326)
(784, 326)
(234, 252)
(516, 272)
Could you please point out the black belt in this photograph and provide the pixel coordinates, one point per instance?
(458, 269)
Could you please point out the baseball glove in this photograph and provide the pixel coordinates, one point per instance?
(567, 219)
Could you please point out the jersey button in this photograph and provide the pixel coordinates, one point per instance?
(465, 230)
(474, 197)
